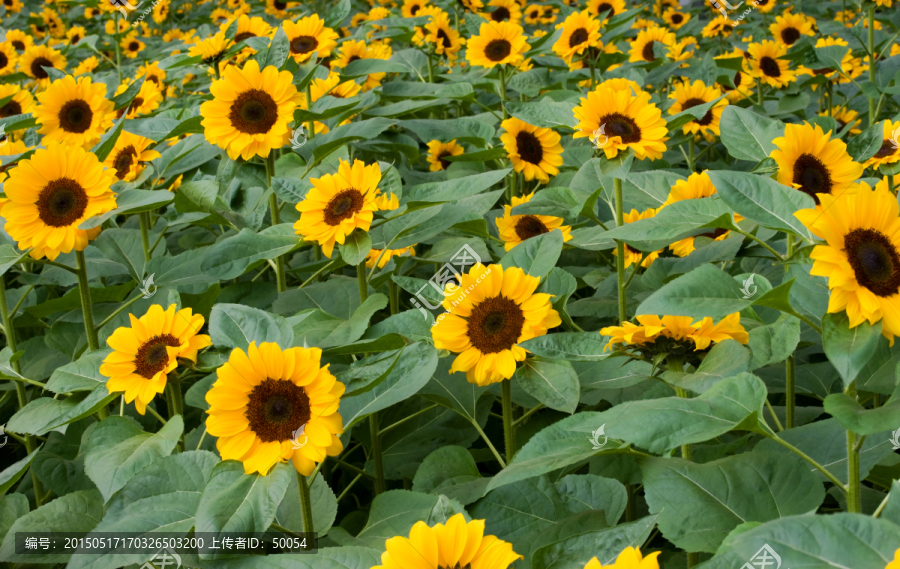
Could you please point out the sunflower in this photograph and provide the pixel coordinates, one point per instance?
(144, 354)
(580, 31)
(633, 256)
(533, 14)
(885, 184)
(504, 11)
(152, 72)
(675, 18)
(497, 44)
(491, 311)
(74, 111)
(110, 26)
(844, 116)
(766, 66)
(742, 83)
(161, 11)
(36, 58)
(279, 8)
(145, 102)
(889, 152)
(676, 335)
(789, 27)
(718, 26)
(337, 204)
(309, 35)
(19, 40)
(334, 87)
(128, 153)
(629, 558)
(813, 162)
(534, 151)
(382, 257)
(688, 95)
(411, 7)
(352, 50)
(437, 151)
(473, 6)
(444, 36)
(21, 102)
(266, 399)
(211, 49)
(248, 28)
(250, 110)
(131, 45)
(895, 564)
(13, 6)
(625, 118)
(764, 6)
(515, 229)
(458, 544)
(642, 46)
(605, 9)
(8, 58)
(895, 49)
(861, 257)
(51, 194)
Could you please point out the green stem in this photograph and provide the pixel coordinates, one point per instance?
(760, 93)
(311, 125)
(853, 485)
(620, 252)
(361, 280)
(118, 49)
(86, 306)
(509, 429)
(176, 403)
(305, 503)
(274, 210)
(430, 69)
(393, 297)
(691, 155)
(144, 218)
(761, 243)
(376, 453)
(675, 364)
(872, 113)
(527, 414)
(807, 458)
(118, 311)
(789, 369)
(631, 506)
(408, 417)
(488, 442)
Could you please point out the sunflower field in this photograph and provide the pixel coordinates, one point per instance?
(450, 284)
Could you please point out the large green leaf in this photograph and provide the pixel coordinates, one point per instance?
(605, 544)
(450, 471)
(705, 291)
(12, 473)
(237, 325)
(536, 256)
(747, 135)
(763, 200)
(231, 257)
(849, 349)
(552, 382)
(571, 346)
(394, 513)
(854, 417)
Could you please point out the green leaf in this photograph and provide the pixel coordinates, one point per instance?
(362, 67)
(356, 247)
(12, 507)
(854, 417)
(457, 188)
(291, 190)
(552, 382)
(571, 346)
(544, 114)
(675, 222)
(774, 342)
(589, 491)
(124, 246)
(865, 144)
(131, 201)
(605, 545)
(279, 50)
(60, 464)
(324, 506)
(9, 256)
(763, 200)
(450, 471)
(747, 135)
(447, 390)
(237, 325)
(536, 256)
(80, 375)
(12, 473)
(108, 141)
(117, 449)
(699, 504)
(705, 291)
(726, 359)
(345, 333)
(394, 513)
(337, 14)
(848, 349)
(231, 257)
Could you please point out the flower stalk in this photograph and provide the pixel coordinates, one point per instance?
(86, 307)
(305, 503)
(275, 211)
(509, 429)
(620, 251)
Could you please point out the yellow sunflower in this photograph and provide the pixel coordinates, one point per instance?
(352, 50)
(889, 152)
(8, 58)
(411, 8)
(250, 110)
(580, 31)
(764, 6)
(533, 14)
(248, 28)
(473, 6)
(889, 184)
(21, 102)
(534, 151)
(131, 45)
(676, 18)
(718, 26)
(743, 83)
(443, 35)
(332, 86)
(147, 351)
(309, 35)
(844, 116)
(211, 49)
(668, 332)
(266, 399)
(861, 257)
(128, 154)
(515, 229)
(161, 11)
(75, 34)
(437, 151)
(491, 311)
(633, 256)
(19, 40)
(642, 46)
(504, 11)
(895, 564)
(382, 257)
(278, 8)
(74, 111)
(337, 204)
(688, 95)
(13, 6)
(457, 544)
(497, 44)
(629, 558)
(812, 162)
(606, 9)
(36, 58)
(145, 102)
(619, 119)
(152, 72)
(789, 27)
(766, 66)
(51, 194)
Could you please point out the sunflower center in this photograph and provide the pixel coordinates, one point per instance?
(812, 176)
(887, 149)
(727, 29)
(279, 5)
(243, 35)
(276, 409)
(75, 116)
(874, 260)
(534, 14)
(254, 112)
(579, 36)
(134, 46)
(529, 147)
(343, 206)
(790, 35)
(444, 163)
(4, 61)
(677, 18)
(304, 44)
(136, 103)
(10, 109)
(75, 39)
(770, 67)
(445, 39)
(500, 14)
(647, 52)
(618, 124)
(690, 103)
(497, 50)
(124, 160)
(605, 10)
(529, 226)
(18, 45)
(415, 9)
(152, 357)
(714, 234)
(495, 324)
(353, 58)
(62, 202)
(37, 67)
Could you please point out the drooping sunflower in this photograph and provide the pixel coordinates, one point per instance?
(131, 45)
(265, 399)
(497, 44)
(622, 118)
(145, 102)
(457, 544)
(437, 151)
(688, 95)
(861, 255)
(580, 31)
(534, 151)
(813, 162)
(605, 9)
(515, 229)
(642, 46)
(491, 311)
(309, 35)
(147, 351)
(504, 11)
(19, 40)
(676, 335)
(128, 154)
(51, 194)
(411, 8)
(629, 558)
(382, 257)
(36, 58)
(632, 255)
(889, 152)
(766, 66)
(676, 18)
(8, 59)
(74, 111)
(250, 110)
(337, 204)
(789, 27)
(21, 102)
